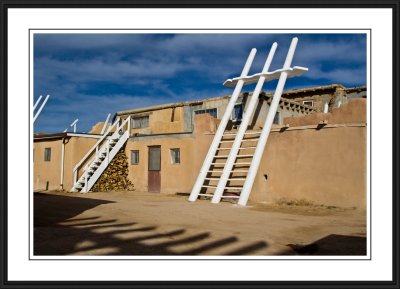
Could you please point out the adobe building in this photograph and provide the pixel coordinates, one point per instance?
(333, 95)
(320, 157)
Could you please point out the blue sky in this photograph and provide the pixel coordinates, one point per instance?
(91, 75)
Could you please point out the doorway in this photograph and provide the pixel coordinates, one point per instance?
(154, 174)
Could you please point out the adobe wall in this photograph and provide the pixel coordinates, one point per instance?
(174, 177)
(75, 150)
(353, 111)
(326, 166)
(167, 120)
(50, 171)
(47, 174)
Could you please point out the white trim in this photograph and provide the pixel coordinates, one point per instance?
(84, 135)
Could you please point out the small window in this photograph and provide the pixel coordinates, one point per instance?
(134, 157)
(277, 118)
(210, 111)
(308, 102)
(237, 112)
(47, 154)
(175, 156)
(139, 122)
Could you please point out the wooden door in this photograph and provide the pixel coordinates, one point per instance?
(154, 175)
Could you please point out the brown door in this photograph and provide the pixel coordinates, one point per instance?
(154, 176)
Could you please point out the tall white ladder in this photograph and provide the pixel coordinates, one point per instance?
(100, 155)
(234, 178)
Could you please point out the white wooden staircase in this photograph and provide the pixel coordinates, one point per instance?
(233, 158)
(100, 155)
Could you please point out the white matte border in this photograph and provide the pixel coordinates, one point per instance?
(19, 23)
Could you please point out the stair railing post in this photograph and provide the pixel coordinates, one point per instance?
(242, 129)
(86, 180)
(40, 108)
(255, 163)
(129, 126)
(220, 130)
(37, 102)
(75, 176)
(107, 151)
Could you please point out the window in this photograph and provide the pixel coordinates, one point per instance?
(210, 111)
(134, 157)
(175, 156)
(47, 154)
(308, 102)
(277, 118)
(139, 122)
(237, 112)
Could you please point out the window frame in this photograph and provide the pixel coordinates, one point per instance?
(47, 156)
(140, 120)
(312, 102)
(204, 111)
(173, 156)
(233, 111)
(137, 157)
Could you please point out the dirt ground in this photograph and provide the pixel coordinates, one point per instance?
(138, 223)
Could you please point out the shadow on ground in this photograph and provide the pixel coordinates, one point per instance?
(57, 232)
(332, 245)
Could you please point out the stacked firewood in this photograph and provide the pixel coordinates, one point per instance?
(115, 176)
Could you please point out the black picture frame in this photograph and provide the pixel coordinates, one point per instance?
(394, 5)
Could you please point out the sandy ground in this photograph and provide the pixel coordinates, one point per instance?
(138, 223)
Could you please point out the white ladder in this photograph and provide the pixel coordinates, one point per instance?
(102, 154)
(234, 169)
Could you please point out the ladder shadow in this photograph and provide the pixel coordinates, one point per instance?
(58, 232)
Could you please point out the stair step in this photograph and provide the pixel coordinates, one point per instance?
(238, 156)
(242, 148)
(215, 171)
(220, 164)
(206, 195)
(233, 188)
(240, 171)
(222, 141)
(208, 186)
(247, 140)
(211, 179)
(237, 179)
(231, 197)
(246, 133)
(240, 164)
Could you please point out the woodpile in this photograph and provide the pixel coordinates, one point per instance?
(115, 176)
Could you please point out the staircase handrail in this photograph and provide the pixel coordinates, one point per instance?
(101, 140)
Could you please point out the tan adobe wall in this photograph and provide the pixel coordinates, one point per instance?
(326, 166)
(47, 171)
(167, 120)
(174, 177)
(75, 149)
(353, 111)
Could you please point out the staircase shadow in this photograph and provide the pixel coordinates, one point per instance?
(60, 231)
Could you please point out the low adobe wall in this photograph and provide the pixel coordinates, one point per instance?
(353, 111)
(326, 166)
